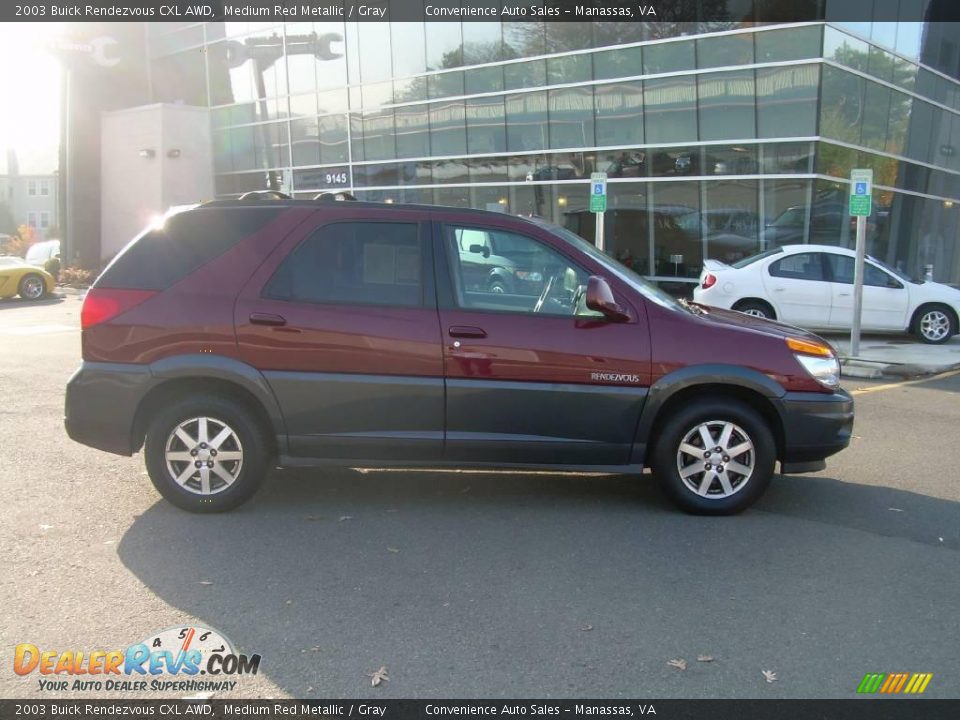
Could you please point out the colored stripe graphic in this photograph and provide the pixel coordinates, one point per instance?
(894, 683)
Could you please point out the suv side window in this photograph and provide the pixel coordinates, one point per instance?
(802, 266)
(354, 263)
(842, 267)
(504, 271)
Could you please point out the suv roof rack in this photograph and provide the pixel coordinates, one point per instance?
(265, 194)
(338, 195)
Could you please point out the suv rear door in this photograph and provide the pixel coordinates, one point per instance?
(556, 386)
(343, 324)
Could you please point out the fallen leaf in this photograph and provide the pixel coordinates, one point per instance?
(894, 509)
(704, 658)
(393, 550)
(288, 602)
(379, 676)
(310, 689)
(345, 517)
(108, 542)
(204, 582)
(586, 628)
(679, 663)
(769, 675)
(46, 527)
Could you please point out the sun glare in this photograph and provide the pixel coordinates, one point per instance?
(30, 86)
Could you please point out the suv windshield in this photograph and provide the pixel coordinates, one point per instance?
(644, 287)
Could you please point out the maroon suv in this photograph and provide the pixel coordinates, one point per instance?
(259, 332)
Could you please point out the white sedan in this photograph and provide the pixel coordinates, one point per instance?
(812, 286)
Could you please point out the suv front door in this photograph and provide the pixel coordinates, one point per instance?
(343, 325)
(532, 376)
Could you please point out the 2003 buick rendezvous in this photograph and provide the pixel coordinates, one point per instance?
(267, 331)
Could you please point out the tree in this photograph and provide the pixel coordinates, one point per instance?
(22, 240)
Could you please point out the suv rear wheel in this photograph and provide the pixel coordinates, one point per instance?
(715, 457)
(205, 454)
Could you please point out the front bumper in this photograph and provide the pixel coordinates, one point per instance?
(815, 426)
(101, 405)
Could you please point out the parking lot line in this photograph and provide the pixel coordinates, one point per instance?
(890, 386)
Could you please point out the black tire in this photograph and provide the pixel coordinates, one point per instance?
(930, 320)
(26, 282)
(759, 308)
(497, 286)
(684, 421)
(252, 442)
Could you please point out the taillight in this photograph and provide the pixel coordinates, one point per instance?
(709, 280)
(102, 304)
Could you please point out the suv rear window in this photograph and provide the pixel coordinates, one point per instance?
(160, 257)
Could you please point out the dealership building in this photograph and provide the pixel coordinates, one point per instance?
(720, 138)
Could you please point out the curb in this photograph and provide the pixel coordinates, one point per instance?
(862, 368)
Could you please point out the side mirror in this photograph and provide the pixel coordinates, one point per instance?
(600, 298)
(480, 250)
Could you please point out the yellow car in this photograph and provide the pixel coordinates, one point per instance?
(27, 281)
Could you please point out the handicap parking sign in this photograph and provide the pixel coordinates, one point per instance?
(860, 189)
(598, 189)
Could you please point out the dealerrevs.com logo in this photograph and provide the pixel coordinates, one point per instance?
(178, 659)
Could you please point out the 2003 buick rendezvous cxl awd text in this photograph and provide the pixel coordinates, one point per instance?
(265, 332)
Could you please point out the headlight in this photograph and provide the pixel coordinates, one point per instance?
(817, 359)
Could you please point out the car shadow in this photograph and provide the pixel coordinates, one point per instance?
(7, 303)
(511, 585)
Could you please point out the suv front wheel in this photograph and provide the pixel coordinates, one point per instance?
(205, 454)
(714, 457)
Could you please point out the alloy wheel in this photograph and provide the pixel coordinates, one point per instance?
(32, 288)
(755, 312)
(716, 459)
(934, 325)
(203, 455)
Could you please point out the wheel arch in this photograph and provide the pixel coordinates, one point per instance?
(755, 299)
(915, 317)
(210, 374)
(688, 384)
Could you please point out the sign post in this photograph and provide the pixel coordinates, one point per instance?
(861, 204)
(598, 203)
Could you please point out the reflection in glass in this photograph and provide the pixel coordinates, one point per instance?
(730, 221)
(526, 121)
(677, 244)
(448, 128)
(409, 48)
(333, 139)
(780, 158)
(789, 44)
(445, 84)
(378, 135)
(841, 105)
(669, 57)
(670, 109)
(444, 45)
(619, 113)
(727, 105)
(413, 131)
(525, 74)
(618, 63)
(787, 101)
(785, 212)
(876, 104)
(569, 69)
(486, 125)
(571, 117)
(524, 39)
(482, 42)
(724, 50)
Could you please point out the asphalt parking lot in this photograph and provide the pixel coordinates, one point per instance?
(489, 585)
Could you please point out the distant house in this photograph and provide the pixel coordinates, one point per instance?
(30, 190)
